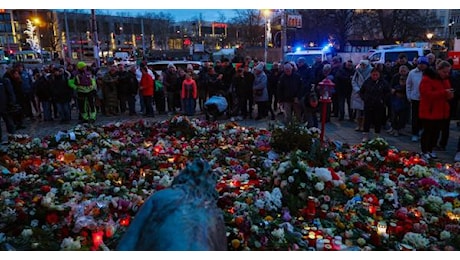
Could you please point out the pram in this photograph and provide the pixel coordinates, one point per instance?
(215, 106)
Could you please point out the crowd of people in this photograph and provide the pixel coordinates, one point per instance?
(423, 93)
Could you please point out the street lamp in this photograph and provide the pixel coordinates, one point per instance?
(429, 36)
(451, 23)
(266, 13)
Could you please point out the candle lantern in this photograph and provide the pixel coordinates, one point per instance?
(372, 209)
(326, 89)
(311, 208)
(97, 239)
(382, 228)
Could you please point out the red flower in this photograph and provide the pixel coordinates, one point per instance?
(52, 218)
(45, 188)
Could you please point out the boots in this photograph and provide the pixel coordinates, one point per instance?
(360, 122)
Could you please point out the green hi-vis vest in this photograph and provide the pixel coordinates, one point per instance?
(75, 83)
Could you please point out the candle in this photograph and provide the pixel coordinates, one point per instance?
(372, 209)
(382, 228)
(97, 239)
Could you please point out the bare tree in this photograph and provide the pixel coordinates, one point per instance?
(250, 24)
(390, 25)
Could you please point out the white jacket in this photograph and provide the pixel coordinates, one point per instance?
(413, 83)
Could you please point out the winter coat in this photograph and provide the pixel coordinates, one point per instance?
(413, 84)
(357, 81)
(434, 102)
(147, 85)
(260, 84)
(375, 93)
(61, 91)
(189, 89)
(7, 97)
(289, 87)
(342, 81)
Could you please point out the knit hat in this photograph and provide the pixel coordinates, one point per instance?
(81, 65)
(260, 66)
(423, 60)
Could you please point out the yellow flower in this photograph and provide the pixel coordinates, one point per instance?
(236, 243)
(269, 218)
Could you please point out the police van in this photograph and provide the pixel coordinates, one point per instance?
(310, 55)
(391, 54)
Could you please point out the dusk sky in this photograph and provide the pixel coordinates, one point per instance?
(183, 14)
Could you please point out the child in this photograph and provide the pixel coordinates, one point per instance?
(399, 106)
(189, 94)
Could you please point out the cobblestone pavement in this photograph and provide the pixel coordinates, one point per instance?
(342, 131)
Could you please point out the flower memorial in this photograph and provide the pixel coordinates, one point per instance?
(81, 189)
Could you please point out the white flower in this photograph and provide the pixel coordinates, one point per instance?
(166, 181)
(416, 240)
(278, 233)
(254, 228)
(291, 179)
(34, 223)
(323, 174)
(70, 244)
(389, 183)
(444, 235)
(319, 186)
(27, 232)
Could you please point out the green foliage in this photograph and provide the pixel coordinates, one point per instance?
(294, 136)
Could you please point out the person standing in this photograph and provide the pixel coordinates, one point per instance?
(110, 90)
(7, 99)
(343, 89)
(289, 89)
(27, 91)
(375, 92)
(85, 86)
(260, 91)
(444, 133)
(414, 77)
(62, 93)
(399, 106)
(146, 88)
(361, 74)
(435, 94)
(171, 86)
(189, 94)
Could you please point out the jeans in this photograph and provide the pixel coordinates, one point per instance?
(10, 128)
(63, 109)
(46, 105)
(148, 105)
(189, 106)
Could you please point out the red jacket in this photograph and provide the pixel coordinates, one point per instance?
(189, 89)
(147, 85)
(434, 103)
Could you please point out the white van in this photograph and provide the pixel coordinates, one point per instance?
(309, 55)
(160, 66)
(391, 54)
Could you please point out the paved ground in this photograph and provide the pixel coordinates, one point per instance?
(336, 130)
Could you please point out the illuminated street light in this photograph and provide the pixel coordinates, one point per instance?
(266, 13)
(451, 23)
(429, 36)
